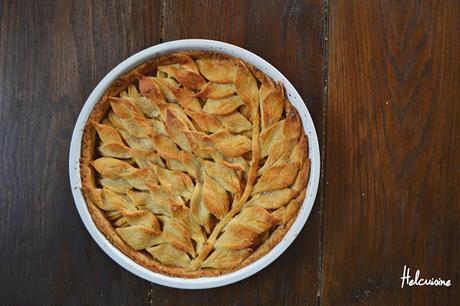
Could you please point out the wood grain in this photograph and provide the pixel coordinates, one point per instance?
(393, 168)
(289, 35)
(52, 54)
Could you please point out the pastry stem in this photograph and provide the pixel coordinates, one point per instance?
(195, 264)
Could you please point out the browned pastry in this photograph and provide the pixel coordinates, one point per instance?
(194, 164)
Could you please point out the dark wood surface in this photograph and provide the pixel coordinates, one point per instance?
(392, 195)
(381, 80)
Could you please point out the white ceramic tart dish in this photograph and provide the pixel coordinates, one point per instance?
(194, 164)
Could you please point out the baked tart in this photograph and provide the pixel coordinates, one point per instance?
(194, 164)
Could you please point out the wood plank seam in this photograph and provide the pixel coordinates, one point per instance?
(323, 150)
(162, 16)
(162, 35)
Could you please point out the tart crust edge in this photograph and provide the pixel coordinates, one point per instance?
(88, 178)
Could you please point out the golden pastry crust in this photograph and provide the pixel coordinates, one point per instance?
(194, 164)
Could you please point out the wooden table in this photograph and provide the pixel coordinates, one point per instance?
(380, 78)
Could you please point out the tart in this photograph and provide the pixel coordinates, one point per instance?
(194, 164)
